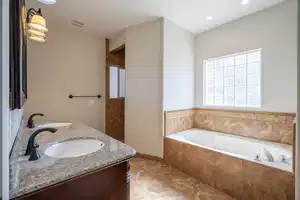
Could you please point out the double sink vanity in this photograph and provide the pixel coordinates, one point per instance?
(69, 161)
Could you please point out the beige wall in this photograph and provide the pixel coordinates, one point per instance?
(117, 41)
(274, 30)
(143, 103)
(72, 61)
(178, 67)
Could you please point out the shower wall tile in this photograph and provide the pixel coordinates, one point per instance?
(241, 179)
(179, 120)
(271, 126)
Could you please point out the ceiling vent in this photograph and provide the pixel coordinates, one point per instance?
(77, 23)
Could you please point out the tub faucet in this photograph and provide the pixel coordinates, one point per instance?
(268, 155)
(283, 159)
(257, 157)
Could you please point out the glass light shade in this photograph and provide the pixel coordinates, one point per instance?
(38, 23)
(36, 32)
(37, 38)
(48, 1)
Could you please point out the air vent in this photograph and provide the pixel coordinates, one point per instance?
(77, 23)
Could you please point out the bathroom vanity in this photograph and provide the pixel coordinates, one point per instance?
(103, 174)
(112, 183)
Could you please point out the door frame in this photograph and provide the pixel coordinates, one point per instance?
(112, 60)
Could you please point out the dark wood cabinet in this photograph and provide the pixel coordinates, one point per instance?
(112, 183)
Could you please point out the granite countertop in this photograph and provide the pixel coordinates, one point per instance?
(26, 177)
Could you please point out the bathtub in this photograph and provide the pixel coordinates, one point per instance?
(241, 147)
(237, 166)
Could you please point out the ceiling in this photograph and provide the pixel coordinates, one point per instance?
(106, 17)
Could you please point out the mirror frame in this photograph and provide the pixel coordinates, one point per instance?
(18, 54)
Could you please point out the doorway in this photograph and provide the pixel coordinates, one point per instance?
(115, 92)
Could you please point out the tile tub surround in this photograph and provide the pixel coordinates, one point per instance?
(236, 177)
(28, 176)
(270, 126)
(178, 120)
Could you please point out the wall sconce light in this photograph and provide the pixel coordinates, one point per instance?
(37, 25)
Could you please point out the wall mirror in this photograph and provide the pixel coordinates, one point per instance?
(18, 54)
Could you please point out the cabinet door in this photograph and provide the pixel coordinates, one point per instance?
(109, 184)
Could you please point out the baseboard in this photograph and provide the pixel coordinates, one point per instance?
(149, 157)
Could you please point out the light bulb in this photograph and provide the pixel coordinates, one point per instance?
(48, 1)
(37, 38)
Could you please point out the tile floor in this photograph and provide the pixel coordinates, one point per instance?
(153, 180)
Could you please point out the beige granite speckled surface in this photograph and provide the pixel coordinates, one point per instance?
(28, 176)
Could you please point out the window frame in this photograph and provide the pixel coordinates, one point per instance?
(119, 93)
(118, 81)
(260, 107)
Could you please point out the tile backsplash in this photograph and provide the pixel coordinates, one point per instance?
(16, 117)
(178, 120)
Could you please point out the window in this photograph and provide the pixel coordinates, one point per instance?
(233, 80)
(121, 82)
(116, 82)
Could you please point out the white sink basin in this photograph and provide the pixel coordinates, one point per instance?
(54, 125)
(74, 148)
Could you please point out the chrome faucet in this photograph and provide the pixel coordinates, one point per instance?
(268, 155)
(257, 157)
(32, 146)
(283, 159)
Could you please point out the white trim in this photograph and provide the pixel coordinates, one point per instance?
(5, 113)
(261, 79)
(204, 82)
(297, 156)
(234, 54)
